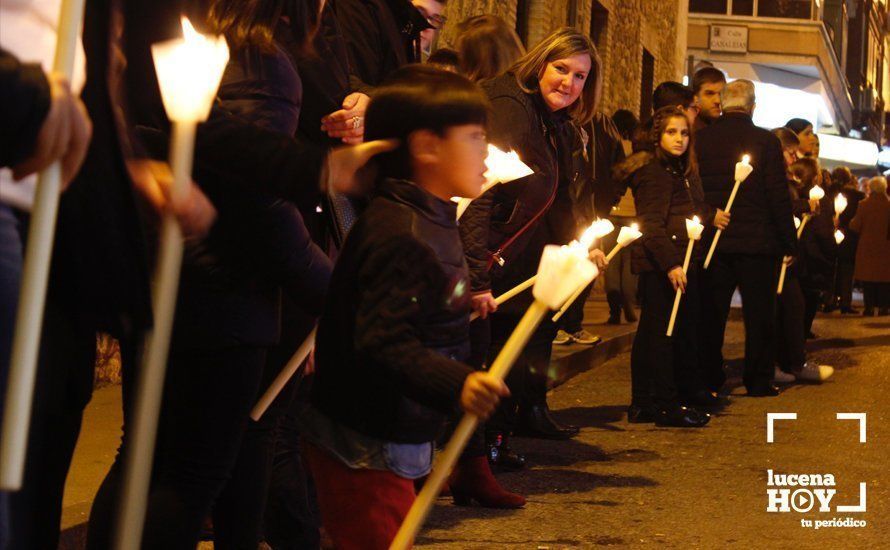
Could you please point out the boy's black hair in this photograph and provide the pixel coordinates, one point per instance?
(626, 122)
(444, 56)
(671, 94)
(798, 125)
(420, 97)
(706, 75)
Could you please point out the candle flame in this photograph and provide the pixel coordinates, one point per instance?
(817, 193)
(840, 203)
(746, 159)
(635, 226)
(838, 236)
(695, 220)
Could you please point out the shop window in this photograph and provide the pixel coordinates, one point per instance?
(792, 9)
(708, 6)
(743, 7)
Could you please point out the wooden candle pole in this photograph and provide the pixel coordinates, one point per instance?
(293, 365)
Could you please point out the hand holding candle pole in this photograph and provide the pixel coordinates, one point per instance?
(562, 269)
(627, 235)
(189, 72)
(35, 274)
(786, 260)
(743, 169)
(694, 230)
(501, 168)
(599, 228)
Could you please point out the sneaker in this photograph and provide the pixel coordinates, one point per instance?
(815, 374)
(782, 377)
(585, 338)
(562, 338)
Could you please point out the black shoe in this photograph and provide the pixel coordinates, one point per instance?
(681, 417)
(702, 398)
(812, 335)
(849, 311)
(630, 316)
(641, 415)
(614, 318)
(768, 390)
(537, 422)
(868, 312)
(500, 455)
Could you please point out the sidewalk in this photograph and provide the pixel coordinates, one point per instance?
(102, 422)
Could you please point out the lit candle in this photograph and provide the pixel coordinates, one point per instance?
(35, 275)
(627, 235)
(562, 269)
(743, 169)
(840, 204)
(694, 230)
(838, 236)
(596, 230)
(189, 71)
(817, 193)
(501, 168)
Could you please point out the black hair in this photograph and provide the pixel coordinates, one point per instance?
(420, 97)
(798, 125)
(706, 75)
(252, 22)
(670, 93)
(444, 56)
(626, 122)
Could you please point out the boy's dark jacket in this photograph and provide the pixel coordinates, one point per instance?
(396, 323)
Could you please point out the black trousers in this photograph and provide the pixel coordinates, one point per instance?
(813, 297)
(63, 387)
(665, 367)
(844, 283)
(529, 378)
(756, 278)
(573, 319)
(790, 346)
(876, 295)
(207, 397)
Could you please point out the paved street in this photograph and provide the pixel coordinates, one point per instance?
(639, 486)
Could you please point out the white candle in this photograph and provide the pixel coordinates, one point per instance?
(35, 274)
(840, 204)
(817, 193)
(743, 169)
(694, 230)
(189, 71)
(838, 236)
(500, 167)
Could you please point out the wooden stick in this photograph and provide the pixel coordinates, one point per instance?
(35, 274)
(782, 277)
(670, 329)
(735, 189)
(139, 455)
(513, 292)
(449, 456)
(293, 365)
(614, 252)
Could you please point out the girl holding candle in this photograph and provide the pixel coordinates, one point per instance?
(664, 201)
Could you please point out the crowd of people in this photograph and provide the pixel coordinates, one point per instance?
(287, 227)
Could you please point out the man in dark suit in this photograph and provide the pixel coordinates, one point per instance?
(748, 253)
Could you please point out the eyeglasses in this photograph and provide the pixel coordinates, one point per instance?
(437, 21)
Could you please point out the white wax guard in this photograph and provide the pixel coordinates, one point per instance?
(562, 270)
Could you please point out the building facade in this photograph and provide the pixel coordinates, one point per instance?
(641, 42)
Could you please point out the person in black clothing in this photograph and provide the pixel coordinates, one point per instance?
(390, 347)
(381, 36)
(537, 108)
(43, 122)
(846, 259)
(664, 200)
(749, 251)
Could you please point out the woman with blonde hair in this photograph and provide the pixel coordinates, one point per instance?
(487, 47)
(537, 106)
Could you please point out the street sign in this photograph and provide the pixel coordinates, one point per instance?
(728, 39)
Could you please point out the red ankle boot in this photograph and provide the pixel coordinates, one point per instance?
(472, 480)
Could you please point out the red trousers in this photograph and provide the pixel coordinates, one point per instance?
(360, 509)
